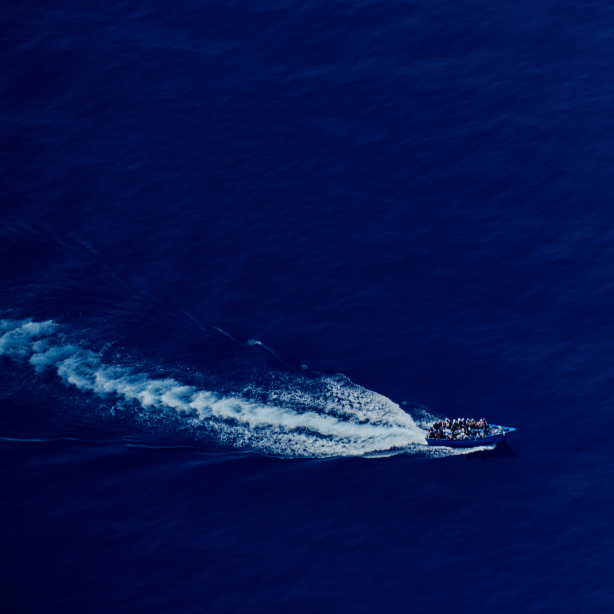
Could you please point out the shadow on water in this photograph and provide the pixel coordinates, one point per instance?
(501, 450)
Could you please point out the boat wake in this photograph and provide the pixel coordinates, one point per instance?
(288, 416)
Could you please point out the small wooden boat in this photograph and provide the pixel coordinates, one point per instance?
(490, 440)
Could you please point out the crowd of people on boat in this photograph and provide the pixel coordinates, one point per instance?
(462, 428)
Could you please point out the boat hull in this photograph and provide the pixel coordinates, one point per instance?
(474, 443)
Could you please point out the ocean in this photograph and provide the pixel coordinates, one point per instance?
(249, 252)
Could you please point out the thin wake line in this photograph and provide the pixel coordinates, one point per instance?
(248, 343)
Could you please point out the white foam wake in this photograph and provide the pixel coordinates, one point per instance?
(331, 417)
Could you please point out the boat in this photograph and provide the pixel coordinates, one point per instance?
(490, 440)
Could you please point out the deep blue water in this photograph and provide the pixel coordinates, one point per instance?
(408, 204)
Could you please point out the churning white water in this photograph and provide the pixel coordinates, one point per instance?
(331, 417)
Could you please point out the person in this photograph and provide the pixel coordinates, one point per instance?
(462, 428)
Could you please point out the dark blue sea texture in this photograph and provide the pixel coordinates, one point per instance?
(249, 252)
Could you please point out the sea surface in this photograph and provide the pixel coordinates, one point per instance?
(249, 251)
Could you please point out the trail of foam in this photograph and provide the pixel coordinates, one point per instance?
(329, 416)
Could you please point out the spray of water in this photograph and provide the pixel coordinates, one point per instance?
(329, 416)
